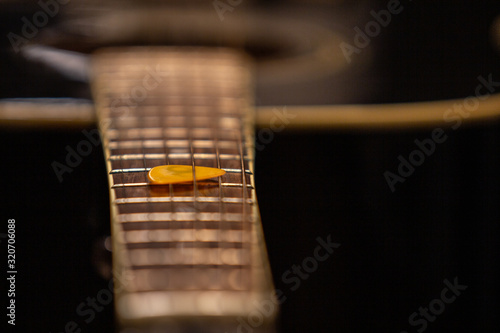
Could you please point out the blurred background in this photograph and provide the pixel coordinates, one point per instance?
(396, 249)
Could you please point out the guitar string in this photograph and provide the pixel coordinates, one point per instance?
(241, 147)
(164, 111)
(190, 114)
(215, 132)
(221, 195)
(140, 108)
(114, 122)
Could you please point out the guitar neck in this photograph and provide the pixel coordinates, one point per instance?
(189, 251)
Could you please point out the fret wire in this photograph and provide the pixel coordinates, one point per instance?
(173, 155)
(177, 225)
(224, 122)
(182, 199)
(163, 235)
(191, 244)
(152, 143)
(130, 170)
(248, 186)
(184, 216)
(189, 266)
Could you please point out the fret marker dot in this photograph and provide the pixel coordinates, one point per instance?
(175, 174)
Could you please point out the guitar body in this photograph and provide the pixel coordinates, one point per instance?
(387, 229)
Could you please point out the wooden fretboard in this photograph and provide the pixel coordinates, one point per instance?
(193, 250)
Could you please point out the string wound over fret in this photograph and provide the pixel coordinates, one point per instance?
(178, 174)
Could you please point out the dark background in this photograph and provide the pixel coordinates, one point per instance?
(396, 248)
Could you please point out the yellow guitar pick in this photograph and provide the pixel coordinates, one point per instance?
(174, 174)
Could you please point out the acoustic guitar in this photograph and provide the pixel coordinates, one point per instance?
(361, 234)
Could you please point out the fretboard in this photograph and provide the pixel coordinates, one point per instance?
(188, 250)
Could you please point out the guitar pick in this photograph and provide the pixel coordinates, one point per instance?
(174, 174)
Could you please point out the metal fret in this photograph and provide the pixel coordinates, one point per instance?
(201, 235)
(174, 155)
(227, 122)
(180, 225)
(183, 216)
(130, 170)
(196, 249)
(182, 199)
(118, 185)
